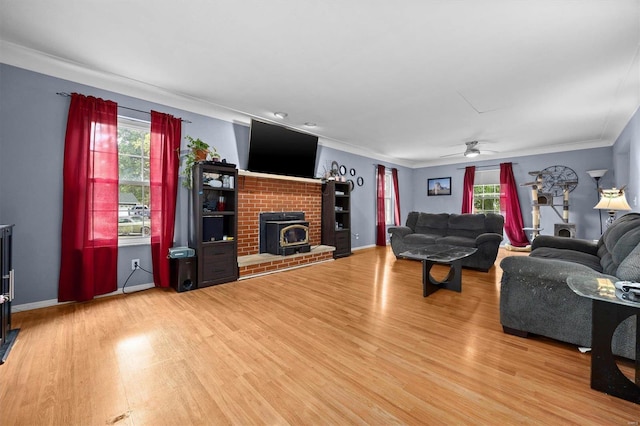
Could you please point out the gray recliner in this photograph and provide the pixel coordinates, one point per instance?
(535, 297)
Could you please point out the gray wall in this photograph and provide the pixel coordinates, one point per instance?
(363, 198)
(32, 127)
(626, 157)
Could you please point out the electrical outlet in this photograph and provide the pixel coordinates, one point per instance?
(357, 236)
(135, 264)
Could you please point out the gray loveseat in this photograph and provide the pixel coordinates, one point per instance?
(481, 231)
(535, 297)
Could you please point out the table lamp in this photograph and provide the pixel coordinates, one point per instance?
(612, 200)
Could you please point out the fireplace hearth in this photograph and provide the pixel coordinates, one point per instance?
(284, 233)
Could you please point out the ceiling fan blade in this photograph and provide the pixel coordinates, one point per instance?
(458, 154)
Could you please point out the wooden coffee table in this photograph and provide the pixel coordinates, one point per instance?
(440, 254)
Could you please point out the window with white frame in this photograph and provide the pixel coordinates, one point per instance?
(134, 214)
(486, 191)
(389, 200)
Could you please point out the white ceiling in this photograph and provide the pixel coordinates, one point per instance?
(407, 81)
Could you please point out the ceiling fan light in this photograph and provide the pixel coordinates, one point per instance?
(472, 152)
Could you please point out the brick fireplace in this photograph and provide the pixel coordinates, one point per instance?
(260, 193)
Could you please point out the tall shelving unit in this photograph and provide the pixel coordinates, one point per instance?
(336, 217)
(215, 222)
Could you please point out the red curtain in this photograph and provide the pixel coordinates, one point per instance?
(166, 133)
(381, 227)
(396, 191)
(510, 206)
(467, 191)
(89, 240)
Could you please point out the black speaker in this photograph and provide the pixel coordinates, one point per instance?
(212, 228)
(184, 274)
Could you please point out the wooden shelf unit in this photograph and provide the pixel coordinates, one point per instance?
(214, 229)
(336, 217)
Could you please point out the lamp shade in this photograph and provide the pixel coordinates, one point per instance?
(613, 199)
(597, 174)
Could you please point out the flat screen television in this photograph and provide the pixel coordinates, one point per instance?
(281, 151)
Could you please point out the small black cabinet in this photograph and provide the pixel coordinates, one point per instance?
(336, 217)
(215, 222)
(7, 335)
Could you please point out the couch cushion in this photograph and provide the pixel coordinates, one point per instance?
(466, 225)
(629, 269)
(420, 239)
(431, 223)
(581, 258)
(457, 241)
(412, 218)
(494, 222)
(618, 241)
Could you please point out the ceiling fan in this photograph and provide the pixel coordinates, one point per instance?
(471, 151)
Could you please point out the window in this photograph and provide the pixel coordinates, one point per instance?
(486, 192)
(134, 215)
(389, 200)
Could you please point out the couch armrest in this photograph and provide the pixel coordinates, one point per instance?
(543, 271)
(585, 246)
(488, 237)
(535, 298)
(399, 231)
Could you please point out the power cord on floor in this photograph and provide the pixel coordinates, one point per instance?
(130, 275)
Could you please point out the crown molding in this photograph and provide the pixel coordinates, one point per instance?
(36, 61)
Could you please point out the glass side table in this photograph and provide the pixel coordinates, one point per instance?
(608, 311)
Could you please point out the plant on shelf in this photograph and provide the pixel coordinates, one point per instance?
(198, 151)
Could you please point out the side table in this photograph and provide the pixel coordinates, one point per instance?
(608, 311)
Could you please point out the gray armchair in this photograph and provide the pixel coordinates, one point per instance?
(535, 297)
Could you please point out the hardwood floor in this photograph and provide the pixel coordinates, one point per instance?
(345, 342)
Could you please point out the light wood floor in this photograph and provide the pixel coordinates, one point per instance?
(345, 342)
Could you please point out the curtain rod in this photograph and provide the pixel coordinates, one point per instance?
(65, 94)
(488, 165)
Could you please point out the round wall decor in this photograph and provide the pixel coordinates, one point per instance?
(555, 178)
(360, 181)
(343, 170)
(352, 171)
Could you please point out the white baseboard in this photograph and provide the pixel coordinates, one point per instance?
(54, 302)
(363, 247)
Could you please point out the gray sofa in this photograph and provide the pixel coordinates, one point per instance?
(534, 295)
(481, 231)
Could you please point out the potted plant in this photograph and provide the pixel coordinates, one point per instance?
(198, 151)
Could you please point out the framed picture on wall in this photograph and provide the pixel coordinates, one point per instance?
(439, 186)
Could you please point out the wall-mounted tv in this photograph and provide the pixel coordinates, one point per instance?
(281, 151)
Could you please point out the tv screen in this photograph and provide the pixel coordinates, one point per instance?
(281, 151)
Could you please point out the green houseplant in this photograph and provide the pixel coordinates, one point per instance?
(198, 151)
